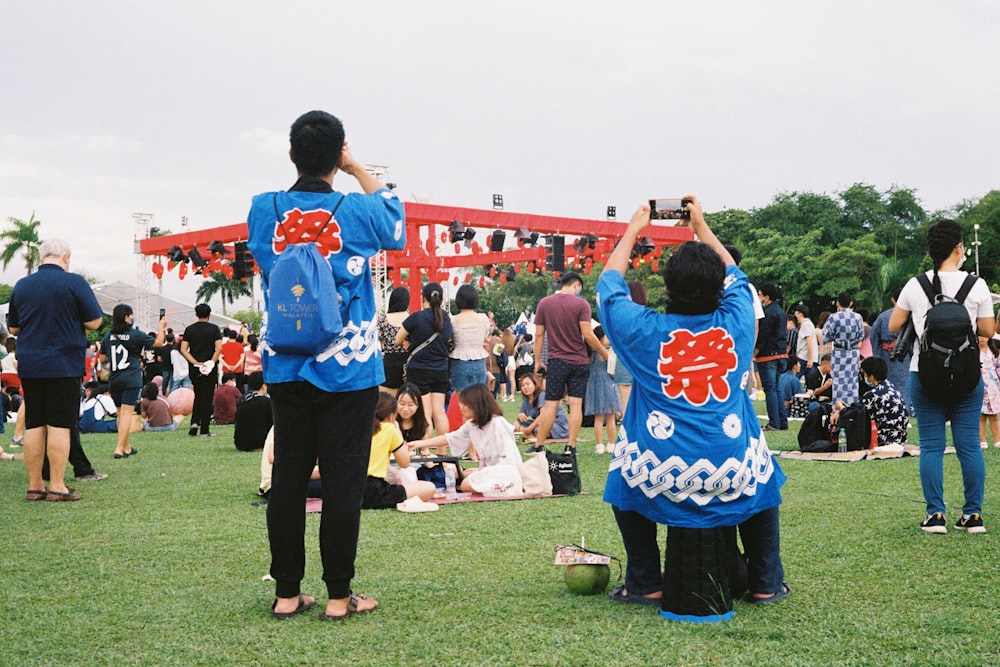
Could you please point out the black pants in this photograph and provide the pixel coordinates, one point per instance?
(336, 428)
(77, 458)
(204, 391)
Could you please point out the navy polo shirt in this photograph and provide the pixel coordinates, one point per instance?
(49, 307)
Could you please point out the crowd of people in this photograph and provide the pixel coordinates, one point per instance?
(665, 389)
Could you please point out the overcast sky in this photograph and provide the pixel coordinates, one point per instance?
(182, 108)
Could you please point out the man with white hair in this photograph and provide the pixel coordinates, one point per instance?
(50, 312)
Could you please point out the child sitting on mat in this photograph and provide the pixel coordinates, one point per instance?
(387, 440)
(485, 429)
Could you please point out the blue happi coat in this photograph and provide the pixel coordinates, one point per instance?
(690, 452)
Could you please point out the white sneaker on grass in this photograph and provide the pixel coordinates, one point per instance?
(598, 448)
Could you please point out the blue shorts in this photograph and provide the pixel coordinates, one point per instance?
(565, 379)
(125, 395)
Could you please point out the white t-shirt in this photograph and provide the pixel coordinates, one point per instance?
(806, 330)
(494, 443)
(979, 303)
(102, 404)
(181, 367)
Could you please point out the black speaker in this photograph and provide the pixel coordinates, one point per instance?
(497, 239)
(555, 253)
(242, 262)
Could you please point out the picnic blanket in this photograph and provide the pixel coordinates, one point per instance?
(879, 453)
(316, 504)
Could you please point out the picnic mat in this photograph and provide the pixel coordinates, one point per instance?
(316, 504)
(879, 453)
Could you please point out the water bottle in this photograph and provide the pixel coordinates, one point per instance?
(841, 440)
(449, 481)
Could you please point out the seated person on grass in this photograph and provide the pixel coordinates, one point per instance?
(98, 411)
(388, 441)
(155, 411)
(485, 429)
(531, 408)
(253, 415)
(789, 385)
(224, 399)
(884, 404)
(819, 382)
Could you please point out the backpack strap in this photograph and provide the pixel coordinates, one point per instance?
(960, 296)
(967, 285)
(278, 216)
(925, 283)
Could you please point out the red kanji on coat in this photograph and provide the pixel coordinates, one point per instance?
(302, 227)
(695, 365)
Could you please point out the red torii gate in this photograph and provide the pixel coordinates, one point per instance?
(420, 256)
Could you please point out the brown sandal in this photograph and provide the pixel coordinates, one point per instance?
(35, 494)
(352, 608)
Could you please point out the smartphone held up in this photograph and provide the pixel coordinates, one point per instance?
(668, 208)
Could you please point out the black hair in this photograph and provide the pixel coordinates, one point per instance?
(569, 278)
(599, 332)
(202, 311)
(801, 308)
(875, 366)
(150, 391)
(826, 357)
(792, 360)
(735, 253)
(169, 338)
(253, 341)
(399, 300)
(432, 295)
(383, 409)
(845, 299)
(227, 376)
(942, 237)
(419, 418)
(693, 277)
(317, 142)
(771, 291)
(118, 315)
(255, 380)
(894, 294)
(466, 298)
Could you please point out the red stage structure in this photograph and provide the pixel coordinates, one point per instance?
(473, 234)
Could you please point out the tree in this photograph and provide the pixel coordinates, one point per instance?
(5, 291)
(23, 238)
(229, 289)
(984, 212)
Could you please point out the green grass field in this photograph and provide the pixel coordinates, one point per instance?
(161, 564)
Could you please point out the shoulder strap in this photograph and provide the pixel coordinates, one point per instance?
(967, 285)
(277, 215)
(925, 283)
(422, 346)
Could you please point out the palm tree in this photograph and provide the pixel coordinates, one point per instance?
(22, 237)
(230, 289)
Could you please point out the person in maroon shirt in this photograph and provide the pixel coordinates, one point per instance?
(224, 400)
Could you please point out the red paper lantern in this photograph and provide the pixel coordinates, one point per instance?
(227, 270)
(182, 271)
(503, 278)
(455, 280)
(656, 266)
(482, 281)
(158, 271)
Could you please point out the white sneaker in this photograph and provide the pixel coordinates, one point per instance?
(599, 448)
(983, 445)
(415, 504)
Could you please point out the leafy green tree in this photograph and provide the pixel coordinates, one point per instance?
(5, 291)
(253, 317)
(228, 289)
(984, 212)
(21, 237)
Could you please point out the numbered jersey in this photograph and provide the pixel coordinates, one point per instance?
(123, 354)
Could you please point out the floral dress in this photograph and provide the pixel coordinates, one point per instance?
(991, 382)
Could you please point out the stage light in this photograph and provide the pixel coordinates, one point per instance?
(498, 202)
(526, 237)
(642, 247)
(176, 255)
(196, 259)
(468, 234)
(511, 273)
(497, 239)
(243, 262)
(154, 231)
(218, 249)
(456, 231)
(585, 242)
(612, 212)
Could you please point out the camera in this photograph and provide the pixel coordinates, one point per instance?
(671, 208)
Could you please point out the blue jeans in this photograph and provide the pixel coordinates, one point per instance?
(964, 416)
(769, 372)
(467, 372)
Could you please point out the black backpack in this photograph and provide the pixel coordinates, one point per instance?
(857, 426)
(949, 352)
(814, 434)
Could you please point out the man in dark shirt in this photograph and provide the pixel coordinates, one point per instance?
(253, 415)
(50, 311)
(202, 346)
(819, 382)
(771, 353)
(224, 399)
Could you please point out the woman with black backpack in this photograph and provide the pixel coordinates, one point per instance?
(933, 402)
